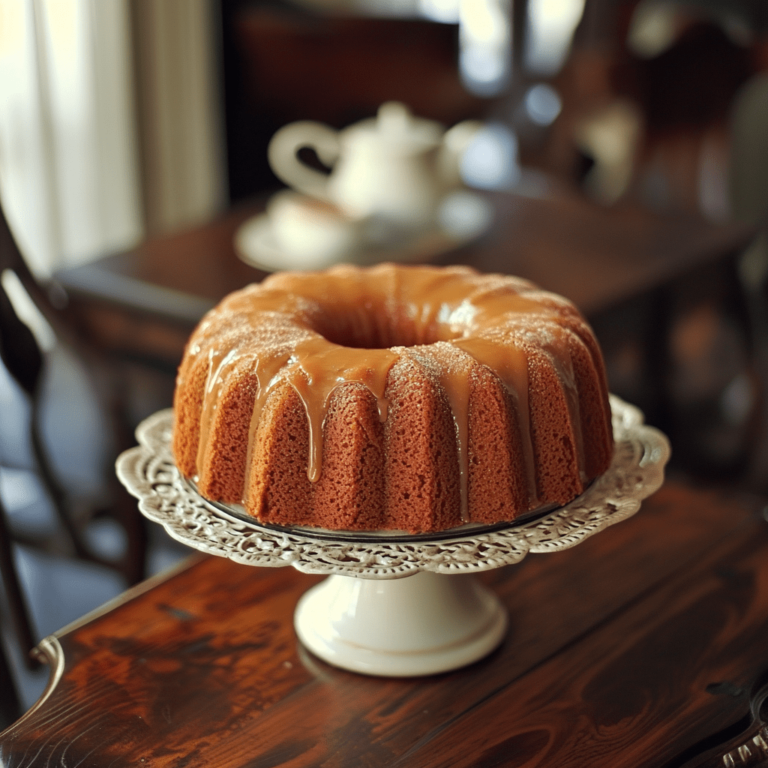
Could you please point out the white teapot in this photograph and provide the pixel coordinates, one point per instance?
(395, 167)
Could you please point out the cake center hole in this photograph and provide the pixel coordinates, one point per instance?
(369, 328)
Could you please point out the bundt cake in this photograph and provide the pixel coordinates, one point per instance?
(392, 398)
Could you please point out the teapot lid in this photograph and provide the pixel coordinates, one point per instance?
(396, 126)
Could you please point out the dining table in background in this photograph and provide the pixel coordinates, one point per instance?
(144, 302)
(635, 274)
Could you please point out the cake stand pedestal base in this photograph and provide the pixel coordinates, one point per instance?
(418, 625)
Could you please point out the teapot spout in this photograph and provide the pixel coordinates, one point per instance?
(455, 142)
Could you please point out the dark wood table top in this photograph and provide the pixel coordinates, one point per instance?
(641, 646)
(145, 302)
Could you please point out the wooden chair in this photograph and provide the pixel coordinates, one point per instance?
(10, 708)
(691, 353)
(25, 361)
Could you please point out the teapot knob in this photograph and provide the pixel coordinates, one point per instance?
(394, 117)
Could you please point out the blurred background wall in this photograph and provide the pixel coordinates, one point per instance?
(122, 118)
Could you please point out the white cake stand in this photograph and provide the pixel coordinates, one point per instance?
(366, 617)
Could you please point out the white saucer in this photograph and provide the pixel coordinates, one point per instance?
(463, 217)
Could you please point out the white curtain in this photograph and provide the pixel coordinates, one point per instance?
(69, 175)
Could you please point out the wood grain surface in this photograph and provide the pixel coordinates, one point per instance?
(639, 647)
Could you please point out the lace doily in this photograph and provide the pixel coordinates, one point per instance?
(149, 473)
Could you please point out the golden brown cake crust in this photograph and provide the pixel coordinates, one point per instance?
(392, 398)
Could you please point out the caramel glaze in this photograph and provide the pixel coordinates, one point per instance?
(350, 333)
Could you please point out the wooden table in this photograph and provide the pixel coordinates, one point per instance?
(639, 647)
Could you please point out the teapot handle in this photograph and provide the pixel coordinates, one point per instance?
(283, 158)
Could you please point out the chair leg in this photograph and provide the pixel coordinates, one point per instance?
(135, 525)
(16, 603)
(10, 707)
(125, 508)
(52, 485)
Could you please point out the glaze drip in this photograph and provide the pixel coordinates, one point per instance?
(319, 367)
(453, 368)
(268, 368)
(217, 365)
(510, 363)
